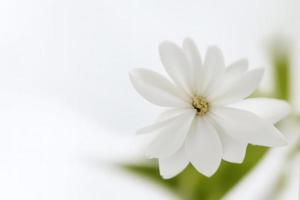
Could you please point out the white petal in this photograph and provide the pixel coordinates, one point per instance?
(163, 119)
(233, 73)
(240, 88)
(156, 89)
(247, 127)
(203, 147)
(171, 136)
(177, 65)
(192, 53)
(239, 66)
(233, 150)
(194, 57)
(170, 113)
(272, 110)
(214, 67)
(226, 81)
(173, 165)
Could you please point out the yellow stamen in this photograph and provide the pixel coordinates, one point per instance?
(201, 105)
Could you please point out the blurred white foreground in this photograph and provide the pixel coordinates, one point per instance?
(49, 152)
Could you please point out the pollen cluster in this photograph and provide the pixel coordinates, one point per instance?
(201, 105)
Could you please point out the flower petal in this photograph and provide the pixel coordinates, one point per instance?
(239, 66)
(177, 65)
(203, 147)
(170, 113)
(173, 165)
(247, 127)
(273, 110)
(192, 53)
(194, 58)
(233, 150)
(156, 89)
(171, 136)
(214, 67)
(163, 119)
(240, 88)
(232, 74)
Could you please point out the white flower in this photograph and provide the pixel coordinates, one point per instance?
(208, 119)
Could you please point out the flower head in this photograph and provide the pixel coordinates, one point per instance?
(208, 118)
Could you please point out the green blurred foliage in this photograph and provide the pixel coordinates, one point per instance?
(191, 185)
(282, 78)
(280, 59)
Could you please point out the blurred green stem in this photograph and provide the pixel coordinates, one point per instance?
(281, 74)
(281, 67)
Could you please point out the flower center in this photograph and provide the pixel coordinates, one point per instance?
(201, 105)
